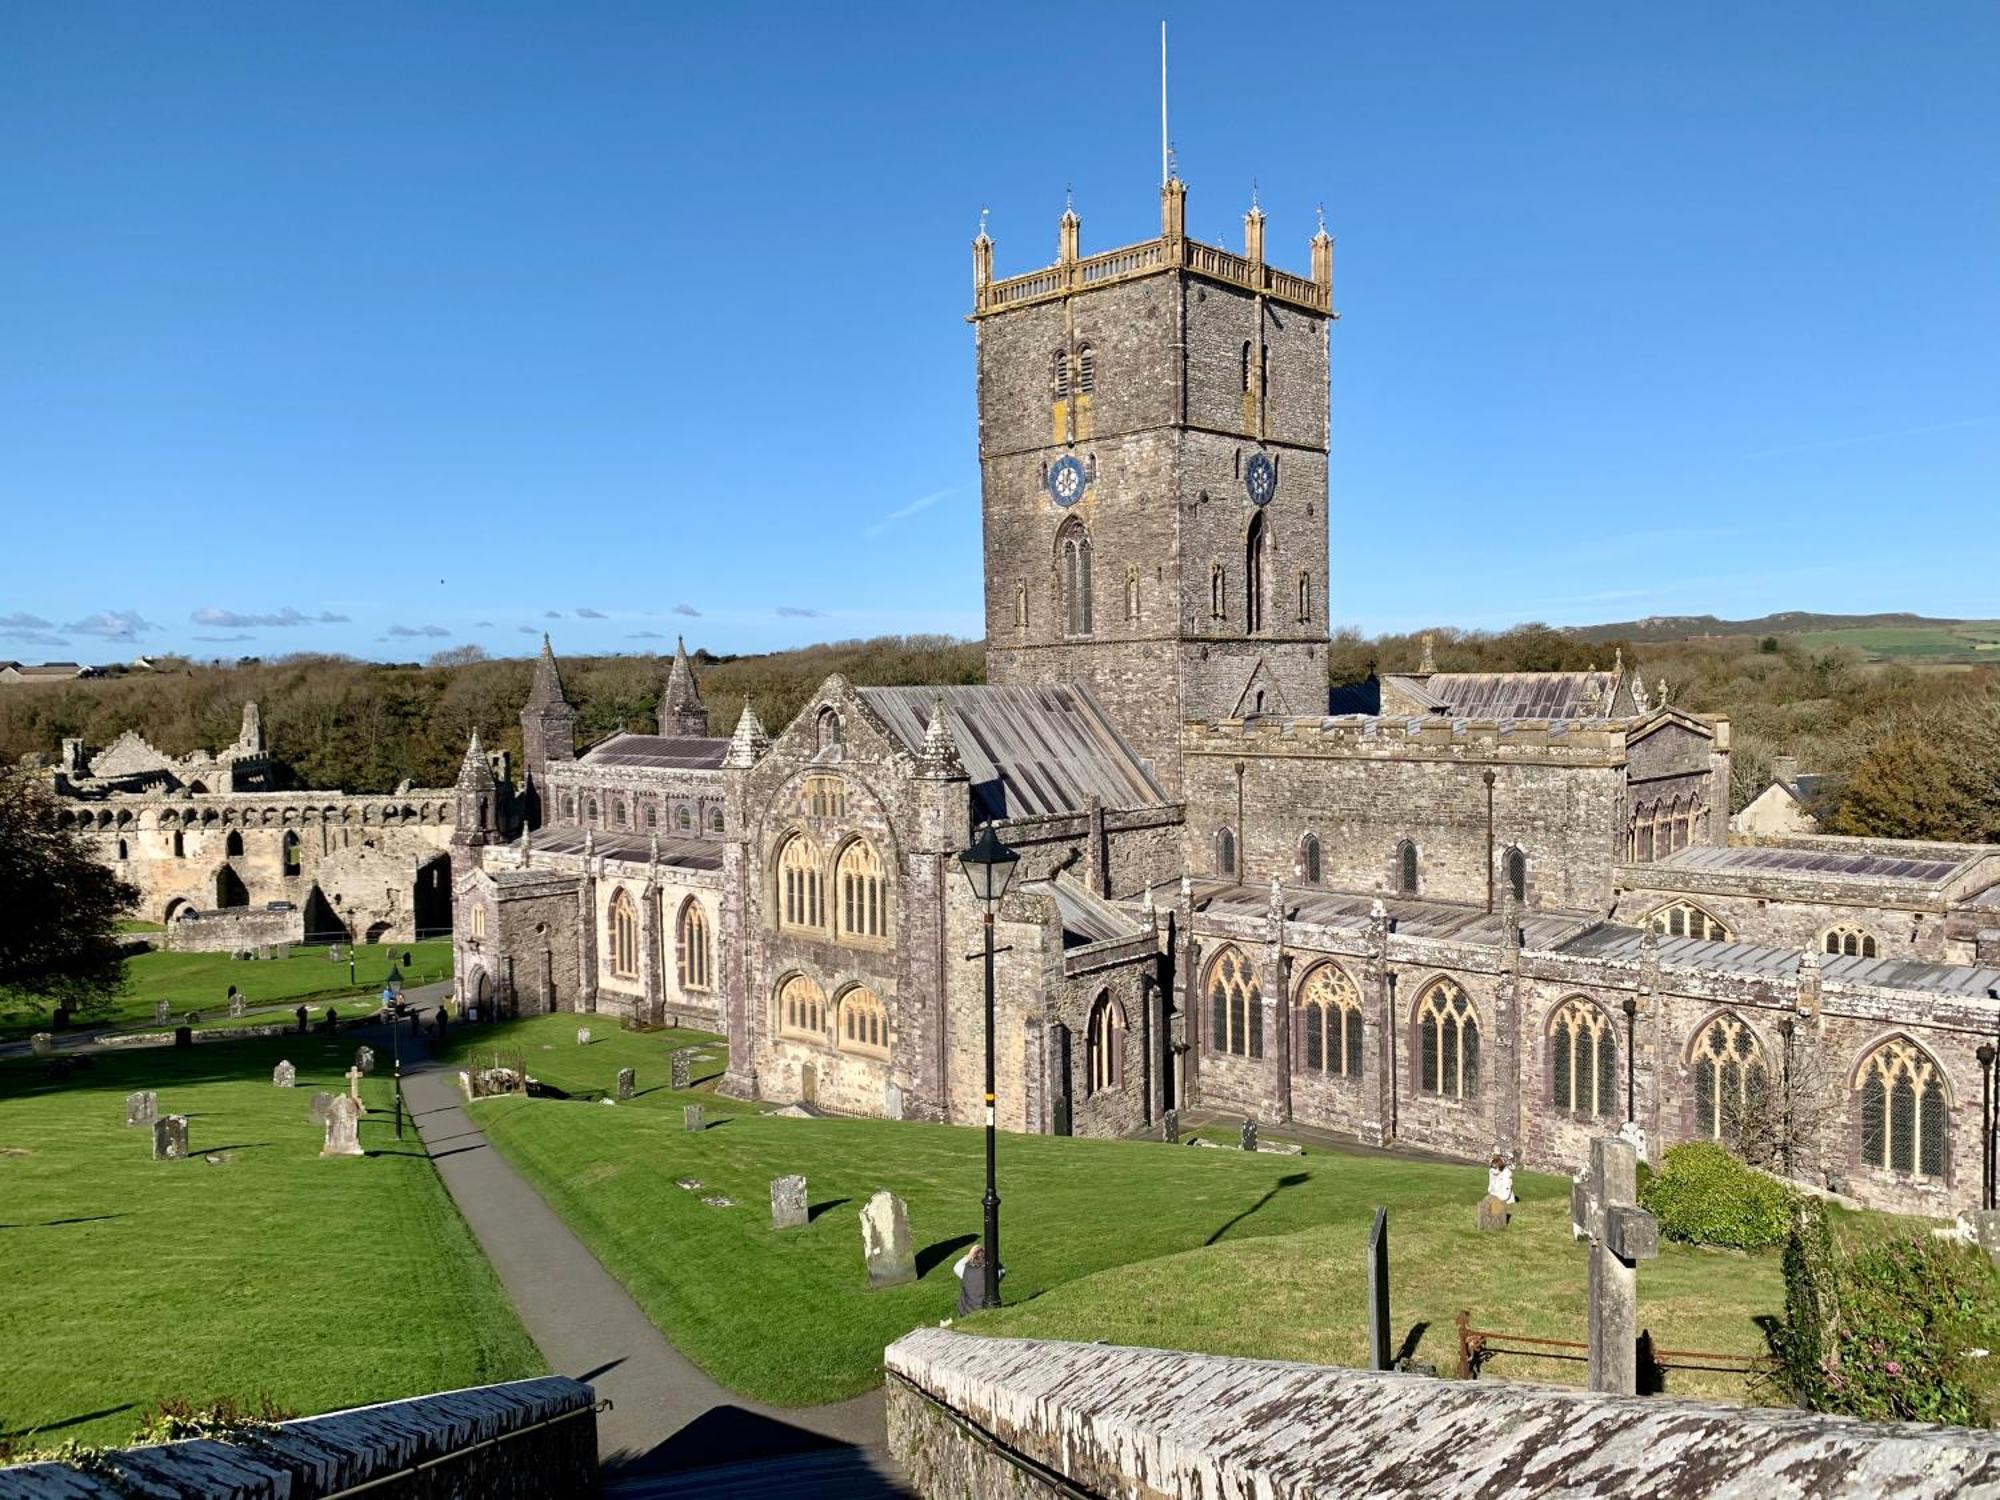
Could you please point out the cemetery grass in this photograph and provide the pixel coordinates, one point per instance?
(201, 981)
(1131, 1241)
(322, 1283)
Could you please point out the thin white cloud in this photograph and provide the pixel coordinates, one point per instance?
(433, 631)
(551, 614)
(112, 625)
(587, 613)
(903, 513)
(687, 609)
(217, 640)
(645, 635)
(229, 619)
(22, 623)
(37, 638)
(793, 612)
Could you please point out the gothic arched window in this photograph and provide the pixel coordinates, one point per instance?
(1516, 869)
(1235, 1005)
(864, 1024)
(1309, 859)
(624, 935)
(1730, 1078)
(1225, 852)
(802, 1009)
(1852, 942)
(1106, 1044)
(1903, 1110)
(831, 731)
(1073, 556)
(1406, 867)
(1254, 561)
(1447, 1041)
(1685, 919)
(801, 892)
(1583, 1059)
(864, 903)
(1329, 1023)
(696, 962)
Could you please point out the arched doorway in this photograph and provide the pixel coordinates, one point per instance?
(229, 889)
(431, 904)
(179, 909)
(376, 932)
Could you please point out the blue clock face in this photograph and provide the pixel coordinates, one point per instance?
(1066, 481)
(1260, 479)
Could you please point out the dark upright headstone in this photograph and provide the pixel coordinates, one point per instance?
(683, 1069)
(1249, 1135)
(1170, 1126)
(183, 1036)
(303, 1016)
(60, 1021)
(626, 1079)
(1378, 1291)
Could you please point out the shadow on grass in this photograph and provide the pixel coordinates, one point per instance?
(934, 1255)
(827, 1207)
(1411, 1341)
(57, 1224)
(1290, 1179)
(61, 1422)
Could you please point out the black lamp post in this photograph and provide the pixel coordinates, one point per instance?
(1631, 1009)
(989, 866)
(1988, 1167)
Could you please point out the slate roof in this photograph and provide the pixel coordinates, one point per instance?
(1816, 864)
(1514, 695)
(1613, 940)
(1085, 918)
(632, 848)
(1408, 916)
(1029, 750)
(657, 752)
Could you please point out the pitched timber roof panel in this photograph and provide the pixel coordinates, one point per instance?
(1515, 695)
(1822, 864)
(658, 752)
(631, 848)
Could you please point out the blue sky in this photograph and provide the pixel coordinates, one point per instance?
(387, 327)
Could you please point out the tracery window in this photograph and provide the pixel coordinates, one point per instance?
(1235, 1005)
(569, 805)
(715, 820)
(1685, 919)
(864, 905)
(801, 888)
(864, 1024)
(1852, 942)
(652, 815)
(1406, 867)
(1903, 1110)
(1106, 1044)
(825, 797)
(1309, 859)
(696, 972)
(624, 936)
(618, 811)
(590, 810)
(1583, 1059)
(802, 1009)
(1730, 1077)
(1075, 560)
(1329, 1023)
(1225, 852)
(1254, 548)
(1447, 1041)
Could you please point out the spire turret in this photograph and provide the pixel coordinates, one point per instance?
(938, 758)
(748, 744)
(478, 819)
(681, 711)
(548, 731)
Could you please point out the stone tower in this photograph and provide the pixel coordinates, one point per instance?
(1153, 452)
(681, 711)
(548, 732)
(479, 819)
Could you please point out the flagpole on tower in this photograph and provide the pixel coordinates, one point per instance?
(1165, 170)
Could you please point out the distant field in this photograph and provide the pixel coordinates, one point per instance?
(1966, 642)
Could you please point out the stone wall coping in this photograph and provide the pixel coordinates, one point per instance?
(1169, 1424)
(1570, 741)
(1820, 889)
(313, 1456)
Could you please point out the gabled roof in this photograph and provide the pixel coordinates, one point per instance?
(1915, 867)
(630, 848)
(1510, 695)
(657, 752)
(1086, 918)
(1028, 750)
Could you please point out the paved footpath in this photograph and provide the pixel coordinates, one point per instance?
(666, 1416)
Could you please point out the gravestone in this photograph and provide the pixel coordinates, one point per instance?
(231, 996)
(236, 1007)
(162, 1012)
(343, 1128)
(1249, 1135)
(809, 1086)
(42, 1044)
(1378, 1291)
(192, 1018)
(1604, 1210)
(60, 1020)
(885, 1241)
(142, 1108)
(627, 1079)
(354, 1089)
(284, 1076)
(332, 1021)
(683, 1066)
(303, 1016)
(364, 1059)
(583, 1036)
(788, 1202)
(1170, 1126)
(691, 1117)
(321, 1103)
(170, 1137)
(183, 1036)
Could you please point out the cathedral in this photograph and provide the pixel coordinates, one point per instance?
(1484, 912)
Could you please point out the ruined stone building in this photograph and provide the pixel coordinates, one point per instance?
(227, 862)
(1491, 911)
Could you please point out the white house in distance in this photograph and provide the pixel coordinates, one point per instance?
(1792, 802)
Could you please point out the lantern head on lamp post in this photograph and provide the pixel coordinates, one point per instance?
(989, 866)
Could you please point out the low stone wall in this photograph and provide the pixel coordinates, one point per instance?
(1012, 1418)
(520, 1441)
(235, 929)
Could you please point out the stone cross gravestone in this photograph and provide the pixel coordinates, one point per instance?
(583, 1036)
(284, 1076)
(1378, 1291)
(788, 1202)
(170, 1137)
(691, 1117)
(364, 1059)
(1604, 1210)
(627, 1081)
(343, 1128)
(142, 1108)
(236, 1007)
(885, 1241)
(42, 1044)
(1249, 1135)
(354, 1089)
(321, 1103)
(162, 1012)
(683, 1066)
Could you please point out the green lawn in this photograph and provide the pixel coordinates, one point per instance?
(1132, 1241)
(201, 981)
(547, 1047)
(324, 1283)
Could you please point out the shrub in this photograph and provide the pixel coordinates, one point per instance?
(1705, 1196)
(1900, 1330)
